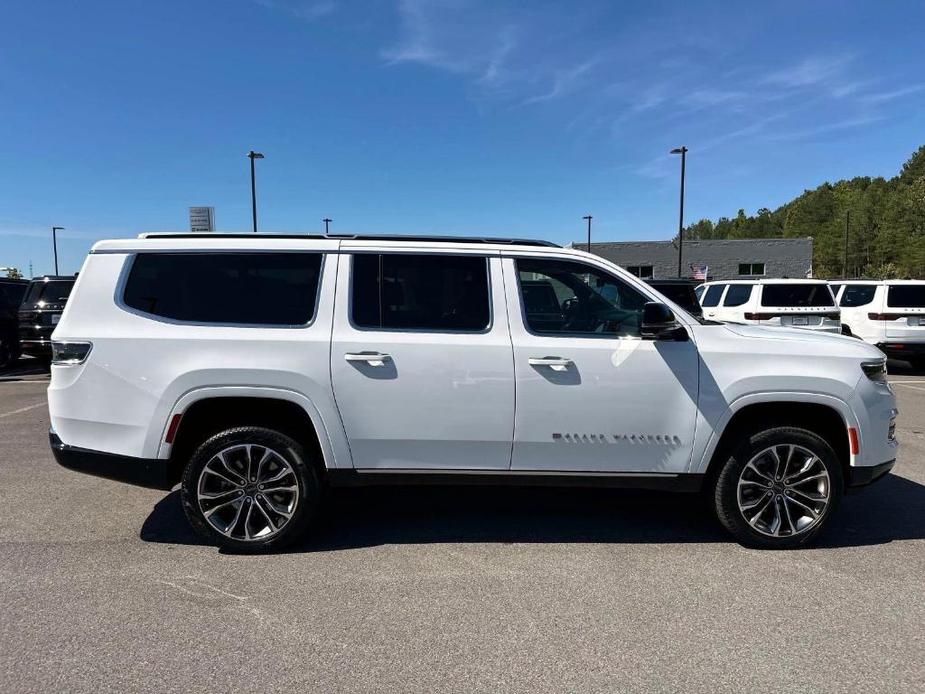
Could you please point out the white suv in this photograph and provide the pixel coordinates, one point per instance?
(256, 371)
(886, 313)
(806, 304)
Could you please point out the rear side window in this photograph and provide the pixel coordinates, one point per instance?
(420, 292)
(738, 294)
(857, 295)
(906, 296)
(797, 295)
(226, 288)
(699, 291)
(711, 298)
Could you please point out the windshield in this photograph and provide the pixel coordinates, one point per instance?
(51, 292)
(814, 295)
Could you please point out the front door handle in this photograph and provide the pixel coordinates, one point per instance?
(371, 358)
(554, 363)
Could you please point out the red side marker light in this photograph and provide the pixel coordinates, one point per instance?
(853, 440)
(172, 429)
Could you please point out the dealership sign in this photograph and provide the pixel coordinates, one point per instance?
(202, 219)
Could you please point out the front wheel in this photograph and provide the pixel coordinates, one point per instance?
(779, 488)
(250, 489)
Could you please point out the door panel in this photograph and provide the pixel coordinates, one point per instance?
(592, 402)
(423, 399)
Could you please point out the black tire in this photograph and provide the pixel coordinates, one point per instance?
(726, 495)
(303, 476)
(7, 354)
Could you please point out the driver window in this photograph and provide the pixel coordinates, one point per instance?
(563, 297)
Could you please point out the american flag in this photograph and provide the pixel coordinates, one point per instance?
(699, 272)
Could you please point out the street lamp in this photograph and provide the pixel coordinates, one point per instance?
(326, 223)
(254, 155)
(683, 152)
(588, 217)
(54, 243)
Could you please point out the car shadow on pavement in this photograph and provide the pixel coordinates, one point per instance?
(892, 509)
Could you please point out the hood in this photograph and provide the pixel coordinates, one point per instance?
(813, 337)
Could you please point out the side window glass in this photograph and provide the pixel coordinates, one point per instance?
(737, 295)
(568, 298)
(712, 295)
(857, 295)
(420, 292)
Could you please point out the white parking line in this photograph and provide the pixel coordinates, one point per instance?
(906, 385)
(22, 409)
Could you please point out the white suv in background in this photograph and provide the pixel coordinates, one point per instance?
(887, 313)
(256, 371)
(806, 304)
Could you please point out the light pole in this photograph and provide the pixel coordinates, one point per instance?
(254, 155)
(326, 223)
(54, 243)
(588, 217)
(683, 152)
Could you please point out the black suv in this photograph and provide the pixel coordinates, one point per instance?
(11, 293)
(680, 291)
(40, 312)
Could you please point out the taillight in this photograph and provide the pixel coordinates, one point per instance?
(886, 316)
(760, 316)
(67, 353)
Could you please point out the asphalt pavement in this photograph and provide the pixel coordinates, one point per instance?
(103, 587)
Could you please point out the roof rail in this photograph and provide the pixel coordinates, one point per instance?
(351, 237)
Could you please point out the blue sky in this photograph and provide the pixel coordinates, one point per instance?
(457, 117)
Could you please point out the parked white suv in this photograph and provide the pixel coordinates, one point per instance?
(887, 313)
(806, 304)
(256, 371)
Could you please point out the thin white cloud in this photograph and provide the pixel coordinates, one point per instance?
(809, 72)
(564, 82)
(308, 10)
(884, 97)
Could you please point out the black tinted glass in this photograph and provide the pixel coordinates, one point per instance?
(906, 296)
(682, 294)
(737, 295)
(420, 292)
(796, 295)
(562, 297)
(229, 288)
(711, 298)
(51, 292)
(857, 294)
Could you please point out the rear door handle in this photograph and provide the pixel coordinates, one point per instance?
(554, 363)
(371, 358)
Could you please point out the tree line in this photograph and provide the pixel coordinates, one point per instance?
(885, 221)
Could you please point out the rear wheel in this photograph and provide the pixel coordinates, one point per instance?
(250, 489)
(779, 488)
(6, 352)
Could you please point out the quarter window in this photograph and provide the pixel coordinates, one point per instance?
(566, 298)
(420, 292)
(738, 295)
(857, 295)
(713, 293)
(226, 288)
(906, 296)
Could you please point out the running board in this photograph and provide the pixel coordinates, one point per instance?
(519, 478)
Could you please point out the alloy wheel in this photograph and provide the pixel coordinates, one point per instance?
(248, 492)
(784, 490)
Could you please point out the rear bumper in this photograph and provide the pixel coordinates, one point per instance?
(897, 349)
(143, 472)
(859, 477)
(36, 348)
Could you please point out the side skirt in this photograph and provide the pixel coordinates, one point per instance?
(516, 478)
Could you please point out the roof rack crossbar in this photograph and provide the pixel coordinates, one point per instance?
(356, 237)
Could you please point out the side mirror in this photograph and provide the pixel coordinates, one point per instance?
(659, 323)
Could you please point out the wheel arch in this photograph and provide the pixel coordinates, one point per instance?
(207, 411)
(823, 415)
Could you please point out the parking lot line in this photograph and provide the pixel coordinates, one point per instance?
(22, 409)
(907, 385)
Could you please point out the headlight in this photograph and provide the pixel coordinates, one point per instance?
(66, 353)
(875, 370)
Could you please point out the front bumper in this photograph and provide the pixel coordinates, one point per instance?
(860, 477)
(143, 472)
